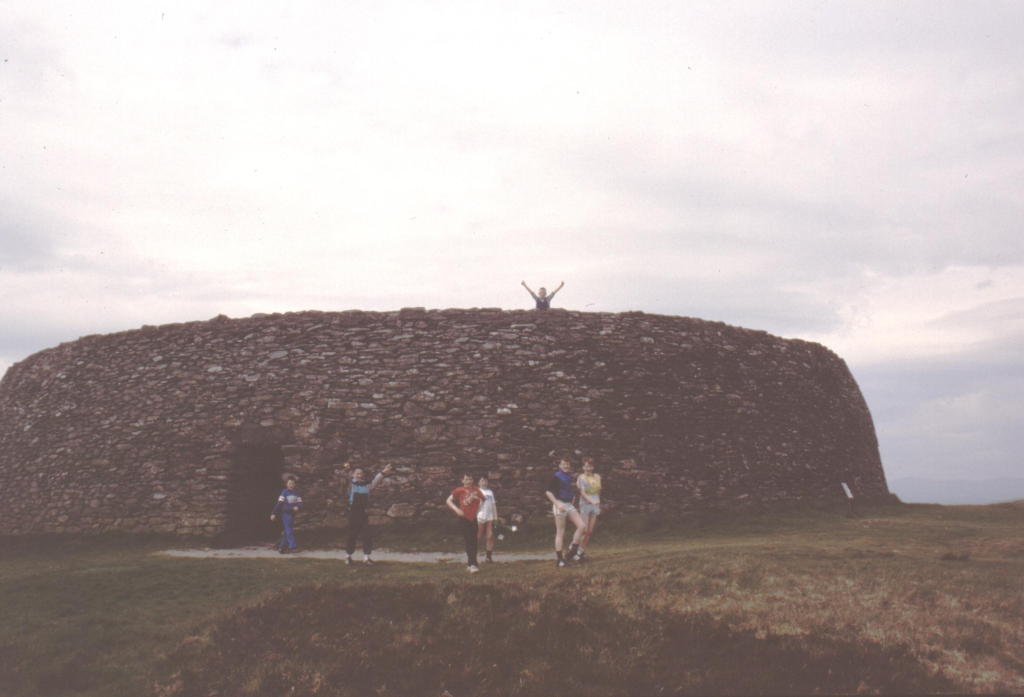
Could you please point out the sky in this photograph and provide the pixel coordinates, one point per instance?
(850, 173)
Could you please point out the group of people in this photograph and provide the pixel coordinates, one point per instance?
(473, 502)
(289, 502)
(563, 491)
(576, 499)
(573, 498)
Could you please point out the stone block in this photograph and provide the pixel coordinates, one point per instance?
(401, 510)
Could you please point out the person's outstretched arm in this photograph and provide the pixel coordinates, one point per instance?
(552, 293)
(528, 290)
(388, 469)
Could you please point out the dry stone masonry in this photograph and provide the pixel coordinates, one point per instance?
(187, 428)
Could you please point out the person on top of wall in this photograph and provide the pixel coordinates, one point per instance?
(287, 505)
(560, 492)
(541, 297)
(358, 517)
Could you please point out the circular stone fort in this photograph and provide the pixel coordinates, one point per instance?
(187, 428)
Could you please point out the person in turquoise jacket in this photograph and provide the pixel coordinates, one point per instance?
(358, 516)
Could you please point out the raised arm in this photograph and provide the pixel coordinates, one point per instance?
(388, 469)
(552, 293)
(528, 289)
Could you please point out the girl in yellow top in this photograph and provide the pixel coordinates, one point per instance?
(589, 484)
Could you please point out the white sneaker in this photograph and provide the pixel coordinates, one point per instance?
(473, 569)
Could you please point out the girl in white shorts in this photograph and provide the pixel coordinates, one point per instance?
(589, 485)
(486, 516)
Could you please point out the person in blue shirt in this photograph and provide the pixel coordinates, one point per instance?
(358, 517)
(541, 297)
(560, 491)
(287, 506)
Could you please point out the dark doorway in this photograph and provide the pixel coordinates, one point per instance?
(254, 486)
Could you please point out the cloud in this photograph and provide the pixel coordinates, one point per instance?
(1002, 313)
(842, 173)
(920, 316)
(30, 64)
(28, 238)
(954, 416)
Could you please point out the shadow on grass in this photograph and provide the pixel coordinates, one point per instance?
(469, 639)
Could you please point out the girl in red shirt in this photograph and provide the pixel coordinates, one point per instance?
(464, 502)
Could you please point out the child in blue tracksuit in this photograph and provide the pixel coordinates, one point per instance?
(287, 506)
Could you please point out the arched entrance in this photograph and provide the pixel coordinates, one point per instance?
(257, 464)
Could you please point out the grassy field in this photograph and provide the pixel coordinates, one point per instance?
(919, 599)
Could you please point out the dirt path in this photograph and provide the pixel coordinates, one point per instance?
(381, 555)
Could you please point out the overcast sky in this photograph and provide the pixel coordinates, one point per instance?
(845, 172)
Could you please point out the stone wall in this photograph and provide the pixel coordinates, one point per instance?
(164, 428)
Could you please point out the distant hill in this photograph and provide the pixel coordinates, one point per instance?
(957, 491)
